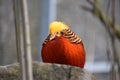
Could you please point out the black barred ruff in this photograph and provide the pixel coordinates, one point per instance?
(68, 34)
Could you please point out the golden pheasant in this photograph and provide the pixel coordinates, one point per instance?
(62, 46)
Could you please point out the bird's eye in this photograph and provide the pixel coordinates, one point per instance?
(58, 33)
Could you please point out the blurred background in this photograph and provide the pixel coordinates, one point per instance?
(97, 22)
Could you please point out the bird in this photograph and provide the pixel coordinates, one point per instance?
(62, 46)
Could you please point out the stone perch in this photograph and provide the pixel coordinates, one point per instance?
(46, 71)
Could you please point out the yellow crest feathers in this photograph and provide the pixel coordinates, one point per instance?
(57, 26)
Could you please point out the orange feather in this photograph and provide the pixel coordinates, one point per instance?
(62, 51)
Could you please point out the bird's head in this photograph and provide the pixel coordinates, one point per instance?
(57, 27)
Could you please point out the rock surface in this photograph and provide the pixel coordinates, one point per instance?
(46, 71)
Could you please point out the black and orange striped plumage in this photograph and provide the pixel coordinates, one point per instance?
(63, 47)
(68, 34)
